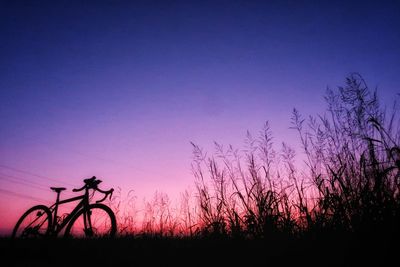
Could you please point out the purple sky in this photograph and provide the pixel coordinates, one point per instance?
(118, 89)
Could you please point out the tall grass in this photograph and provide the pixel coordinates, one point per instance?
(348, 183)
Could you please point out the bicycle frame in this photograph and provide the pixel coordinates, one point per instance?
(84, 204)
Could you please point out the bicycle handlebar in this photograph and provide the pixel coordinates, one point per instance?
(106, 193)
(80, 189)
(89, 183)
(92, 183)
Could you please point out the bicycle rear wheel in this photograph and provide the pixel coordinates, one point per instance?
(98, 221)
(35, 222)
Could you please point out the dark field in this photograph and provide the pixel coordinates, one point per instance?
(333, 250)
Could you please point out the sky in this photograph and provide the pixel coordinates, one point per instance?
(119, 89)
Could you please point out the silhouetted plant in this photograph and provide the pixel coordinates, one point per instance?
(349, 155)
(352, 182)
(125, 211)
(243, 201)
(159, 219)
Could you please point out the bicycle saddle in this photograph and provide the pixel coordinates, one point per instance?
(57, 189)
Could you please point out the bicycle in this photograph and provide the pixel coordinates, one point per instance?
(85, 220)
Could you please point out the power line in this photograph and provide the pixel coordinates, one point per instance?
(22, 179)
(34, 174)
(11, 193)
(73, 151)
(28, 183)
(21, 183)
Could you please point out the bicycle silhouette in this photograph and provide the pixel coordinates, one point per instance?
(85, 220)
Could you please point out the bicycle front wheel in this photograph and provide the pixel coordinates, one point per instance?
(35, 222)
(96, 221)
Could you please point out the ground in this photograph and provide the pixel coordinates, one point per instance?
(156, 251)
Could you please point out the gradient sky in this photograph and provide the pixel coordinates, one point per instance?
(118, 89)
